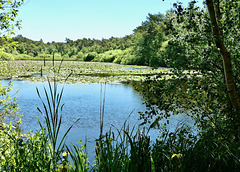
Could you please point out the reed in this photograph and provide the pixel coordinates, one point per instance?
(52, 112)
(79, 161)
(121, 149)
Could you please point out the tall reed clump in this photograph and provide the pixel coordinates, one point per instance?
(52, 112)
(79, 161)
(123, 150)
(128, 150)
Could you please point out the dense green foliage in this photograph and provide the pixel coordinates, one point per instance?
(203, 92)
(81, 49)
(144, 47)
(8, 20)
(150, 37)
(187, 40)
(5, 56)
(28, 152)
(8, 106)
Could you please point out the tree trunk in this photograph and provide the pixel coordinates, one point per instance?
(231, 86)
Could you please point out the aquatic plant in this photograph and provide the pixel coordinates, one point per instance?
(81, 72)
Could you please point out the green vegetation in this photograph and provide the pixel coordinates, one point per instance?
(8, 105)
(23, 152)
(8, 20)
(80, 72)
(5, 56)
(200, 40)
(202, 48)
(144, 47)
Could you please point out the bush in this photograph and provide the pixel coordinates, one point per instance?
(23, 57)
(90, 56)
(45, 55)
(157, 61)
(80, 56)
(23, 152)
(9, 108)
(14, 52)
(118, 59)
(19, 152)
(107, 58)
(128, 59)
(65, 56)
(6, 56)
(57, 55)
(116, 56)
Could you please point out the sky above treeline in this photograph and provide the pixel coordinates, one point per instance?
(56, 20)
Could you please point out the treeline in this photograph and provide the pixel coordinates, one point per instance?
(146, 46)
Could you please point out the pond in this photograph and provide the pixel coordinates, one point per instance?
(83, 101)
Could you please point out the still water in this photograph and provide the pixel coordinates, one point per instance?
(83, 101)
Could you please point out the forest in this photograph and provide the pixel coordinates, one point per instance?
(144, 47)
(190, 64)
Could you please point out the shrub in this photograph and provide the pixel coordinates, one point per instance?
(9, 108)
(57, 55)
(65, 56)
(107, 58)
(45, 55)
(129, 59)
(23, 152)
(157, 61)
(118, 59)
(6, 56)
(23, 57)
(19, 152)
(80, 56)
(90, 56)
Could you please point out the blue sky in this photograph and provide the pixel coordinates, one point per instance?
(56, 20)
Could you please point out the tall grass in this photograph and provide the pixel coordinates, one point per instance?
(79, 158)
(53, 119)
(123, 150)
(52, 112)
(126, 150)
(102, 108)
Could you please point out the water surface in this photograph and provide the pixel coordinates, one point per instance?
(83, 101)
